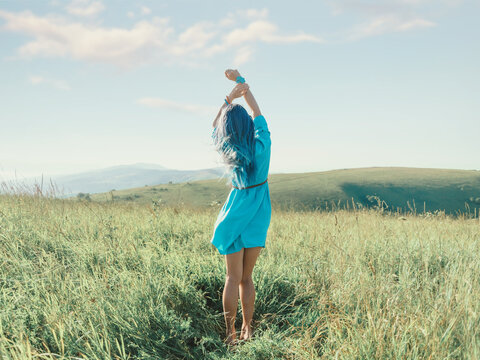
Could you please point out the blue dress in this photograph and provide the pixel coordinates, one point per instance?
(245, 217)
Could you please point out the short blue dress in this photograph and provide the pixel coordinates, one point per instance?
(245, 217)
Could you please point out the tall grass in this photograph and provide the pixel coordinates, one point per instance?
(93, 280)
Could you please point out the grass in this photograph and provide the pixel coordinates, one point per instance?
(402, 189)
(88, 280)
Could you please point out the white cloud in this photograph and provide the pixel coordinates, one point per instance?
(58, 84)
(386, 16)
(251, 14)
(386, 24)
(145, 10)
(196, 36)
(85, 8)
(173, 105)
(146, 41)
(56, 37)
(415, 23)
(228, 21)
(243, 55)
(131, 14)
(254, 13)
(383, 7)
(264, 31)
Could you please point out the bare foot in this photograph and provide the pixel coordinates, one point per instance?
(246, 333)
(231, 339)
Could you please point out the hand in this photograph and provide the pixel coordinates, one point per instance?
(238, 91)
(232, 74)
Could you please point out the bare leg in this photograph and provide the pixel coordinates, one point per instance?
(247, 291)
(234, 263)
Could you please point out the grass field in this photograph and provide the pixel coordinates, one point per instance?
(129, 280)
(401, 189)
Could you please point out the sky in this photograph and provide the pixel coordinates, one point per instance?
(87, 84)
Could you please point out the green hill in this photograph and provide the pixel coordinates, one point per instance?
(407, 189)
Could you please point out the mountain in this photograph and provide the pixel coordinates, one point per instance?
(405, 189)
(123, 177)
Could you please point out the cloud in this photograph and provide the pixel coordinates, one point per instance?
(58, 84)
(56, 37)
(257, 31)
(243, 55)
(250, 14)
(264, 31)
(153, 40)
(386, 24)
(145, 10)
(369, 8)
(386, 16)
(85, 8)
(383, 7)
(172, 105)
(414, 23)
(254, 13)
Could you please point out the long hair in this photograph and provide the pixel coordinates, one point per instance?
(234, 139)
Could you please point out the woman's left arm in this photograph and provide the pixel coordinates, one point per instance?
(218, 115)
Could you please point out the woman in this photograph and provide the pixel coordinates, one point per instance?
(241, 227)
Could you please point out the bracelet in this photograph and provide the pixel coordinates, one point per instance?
(227, 100)
(240, 80)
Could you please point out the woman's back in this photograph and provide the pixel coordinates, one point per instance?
(262, 152)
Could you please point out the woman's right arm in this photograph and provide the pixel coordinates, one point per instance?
(252, 103)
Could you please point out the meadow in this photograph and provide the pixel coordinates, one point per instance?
(396, 188)
(129, 280)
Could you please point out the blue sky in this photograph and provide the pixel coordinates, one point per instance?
(87, 84)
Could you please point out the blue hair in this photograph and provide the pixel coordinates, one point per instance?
(234, 139)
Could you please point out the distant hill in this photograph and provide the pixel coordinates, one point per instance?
(124, 177)
(402, 188)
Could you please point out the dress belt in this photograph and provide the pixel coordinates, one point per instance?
(248, 187)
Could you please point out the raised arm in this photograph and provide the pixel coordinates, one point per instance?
(249, 98)
(238, 91)
(252, 103)
(218, 115)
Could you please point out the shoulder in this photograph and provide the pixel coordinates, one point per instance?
(260, 122)
(262, 134)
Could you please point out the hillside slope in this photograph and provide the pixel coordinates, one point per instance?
(403, 188)
(122, 177)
